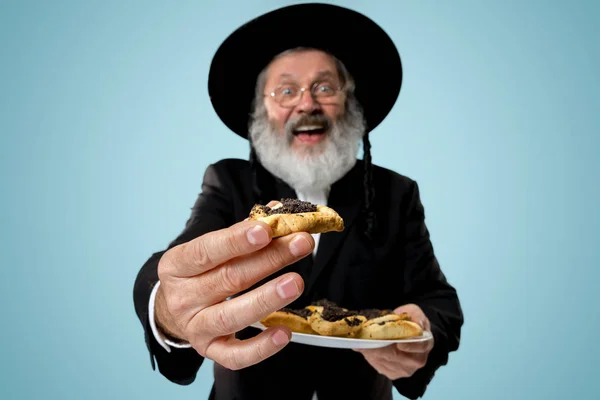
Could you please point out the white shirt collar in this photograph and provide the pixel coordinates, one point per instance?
(316, 197)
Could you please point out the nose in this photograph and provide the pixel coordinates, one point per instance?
(307, 103)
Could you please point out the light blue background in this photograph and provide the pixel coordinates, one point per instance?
(106, 129)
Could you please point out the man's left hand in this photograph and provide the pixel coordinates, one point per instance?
(401, 360)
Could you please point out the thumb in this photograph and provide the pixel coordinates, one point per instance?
(409, 309)
(414, 312)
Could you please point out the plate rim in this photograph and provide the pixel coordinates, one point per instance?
(427, 335)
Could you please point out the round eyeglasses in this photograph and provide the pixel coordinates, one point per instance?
(289, 95)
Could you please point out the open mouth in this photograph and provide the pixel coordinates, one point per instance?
(310, 133)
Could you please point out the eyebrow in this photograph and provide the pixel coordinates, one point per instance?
(320, 74)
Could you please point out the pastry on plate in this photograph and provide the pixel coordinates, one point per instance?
(296, 320)
(335, 321)
(389, 327)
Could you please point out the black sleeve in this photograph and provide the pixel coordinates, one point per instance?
(211, 211)
(427, 287)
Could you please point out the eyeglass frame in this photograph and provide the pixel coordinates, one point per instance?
(338, 89)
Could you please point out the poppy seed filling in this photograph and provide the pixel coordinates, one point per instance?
(290, 206)
(333, 314)
(374, 313)
(303, 312)
(353, 322)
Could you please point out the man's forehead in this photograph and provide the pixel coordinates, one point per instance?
(303, 64)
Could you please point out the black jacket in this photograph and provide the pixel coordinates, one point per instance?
(396, 268)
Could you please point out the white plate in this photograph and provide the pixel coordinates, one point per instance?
(347, 343)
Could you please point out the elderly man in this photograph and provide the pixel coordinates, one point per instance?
(305, 97)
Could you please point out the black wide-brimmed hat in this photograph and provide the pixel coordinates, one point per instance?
(364, 47)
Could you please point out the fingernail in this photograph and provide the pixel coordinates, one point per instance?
(287, 288)
(280, 338)
(257, 235)
(299, 246)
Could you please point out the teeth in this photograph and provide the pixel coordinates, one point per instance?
(309, 128)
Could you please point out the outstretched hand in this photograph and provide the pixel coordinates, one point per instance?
(199, 276)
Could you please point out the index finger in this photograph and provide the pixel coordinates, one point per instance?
(214, 248)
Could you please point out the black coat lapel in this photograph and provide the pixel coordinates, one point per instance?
(345, 197)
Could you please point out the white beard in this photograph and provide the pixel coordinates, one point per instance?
(318, 167)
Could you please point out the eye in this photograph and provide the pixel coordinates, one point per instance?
(287, 91)
(324, 88)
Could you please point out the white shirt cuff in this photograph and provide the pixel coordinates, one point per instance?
(158, 335)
